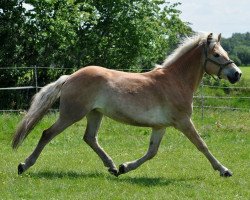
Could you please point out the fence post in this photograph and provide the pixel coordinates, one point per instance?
(35, 73)
(202, 101)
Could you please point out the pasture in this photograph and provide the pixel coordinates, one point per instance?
(69, 169)
(246, 73)
(226, 94)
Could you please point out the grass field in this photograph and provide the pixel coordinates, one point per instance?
(69, 169)
(245, 72)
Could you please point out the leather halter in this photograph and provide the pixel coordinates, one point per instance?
(222, 66)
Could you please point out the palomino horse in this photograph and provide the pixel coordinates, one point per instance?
(158, 99)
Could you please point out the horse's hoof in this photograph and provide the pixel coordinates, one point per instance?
(122, 169)
(113, 172)
(226, 173)
(20, 168)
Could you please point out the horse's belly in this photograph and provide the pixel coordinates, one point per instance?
(148, 118)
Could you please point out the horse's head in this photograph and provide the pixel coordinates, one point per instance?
(217, 61)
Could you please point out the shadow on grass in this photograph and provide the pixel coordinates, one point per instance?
(143, 181)
(61, 175)
(155, 181)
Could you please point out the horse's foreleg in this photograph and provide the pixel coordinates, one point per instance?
(154, 144)
(90, 137)
(187, 127)
(46, 137)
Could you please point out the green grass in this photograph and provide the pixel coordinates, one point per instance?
(245, 72)
(69, 169)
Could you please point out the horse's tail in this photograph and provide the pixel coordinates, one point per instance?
(41, 102)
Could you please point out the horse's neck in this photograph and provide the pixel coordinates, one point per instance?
(188, 69)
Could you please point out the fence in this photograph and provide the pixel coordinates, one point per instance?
(208, 96)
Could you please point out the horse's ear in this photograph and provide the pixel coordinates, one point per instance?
(219, 37)
(209, 38)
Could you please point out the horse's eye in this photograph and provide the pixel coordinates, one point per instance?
(216, 55)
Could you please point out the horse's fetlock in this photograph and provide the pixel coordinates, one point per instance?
(20, 168)
(122, 169)
(32, 161)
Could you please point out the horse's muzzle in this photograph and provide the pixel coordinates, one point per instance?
(234, 77)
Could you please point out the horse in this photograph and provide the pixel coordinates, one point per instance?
(158, 99)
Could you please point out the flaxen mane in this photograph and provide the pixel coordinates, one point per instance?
(186, 45)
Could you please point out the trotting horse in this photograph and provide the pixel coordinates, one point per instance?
(158, 99)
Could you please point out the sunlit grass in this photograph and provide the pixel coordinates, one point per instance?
(69, 169)
(245, 72)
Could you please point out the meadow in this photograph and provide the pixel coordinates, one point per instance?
(246, 72)
(69, 169)
(220, 93)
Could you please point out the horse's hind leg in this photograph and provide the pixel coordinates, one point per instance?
(46, 137)
(90, 137)
(154, 144)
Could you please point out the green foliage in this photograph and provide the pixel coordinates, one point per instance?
(243, 53)
(238, 47)
(69, 169)
(11, 32)
(120, 34)
(116, 34)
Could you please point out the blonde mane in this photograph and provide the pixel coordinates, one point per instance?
(186, 45)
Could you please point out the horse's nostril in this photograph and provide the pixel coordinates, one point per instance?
(236, 74)
(240, 74)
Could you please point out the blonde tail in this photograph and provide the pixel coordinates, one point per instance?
(41, 102)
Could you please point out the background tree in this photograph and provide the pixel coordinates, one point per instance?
(130, 34)
(116, 34)
(119, 34)
(238, 47)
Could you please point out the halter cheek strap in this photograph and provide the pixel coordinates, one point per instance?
(222, 66)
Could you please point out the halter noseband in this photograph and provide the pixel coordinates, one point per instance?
(222, 66)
